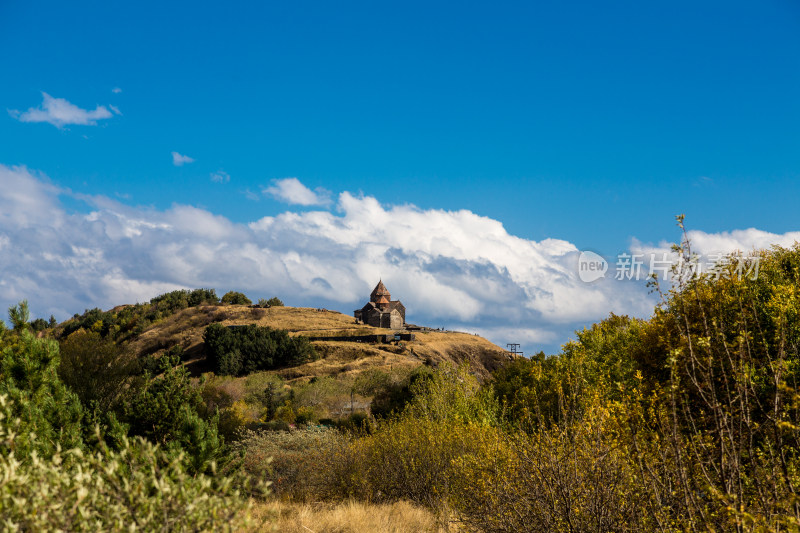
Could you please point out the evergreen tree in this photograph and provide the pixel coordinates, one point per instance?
(40, 401)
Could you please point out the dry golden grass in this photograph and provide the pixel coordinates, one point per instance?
(340, 358)
(185, 329)
(439, 346)
(342, 517)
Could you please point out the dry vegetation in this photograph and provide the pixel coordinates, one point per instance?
(342, 517)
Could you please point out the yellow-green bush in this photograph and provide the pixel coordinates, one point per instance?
(414, 456)
(569, 477)
(136, 488)
(239, 415)
(295, 461)
(416, 459)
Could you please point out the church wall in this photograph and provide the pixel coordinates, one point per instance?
(395, 320)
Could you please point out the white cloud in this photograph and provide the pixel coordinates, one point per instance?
(59, 112)
(450, 268)
(179, 160)
(115, 109)
(27, 199)
(292, 191)
(116, 90)
(710, 247)
(707, 244)
(528, 337)
(220, 176)
(744, 241)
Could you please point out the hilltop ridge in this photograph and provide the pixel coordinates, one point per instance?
(184, 329)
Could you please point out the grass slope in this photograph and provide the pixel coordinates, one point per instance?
(185, 329)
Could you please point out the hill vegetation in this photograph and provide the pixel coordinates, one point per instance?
(686, 421)
(236, 351)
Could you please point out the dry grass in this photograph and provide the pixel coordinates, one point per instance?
(338, 358)
(342, 517)
(186, 328)
(439, 346)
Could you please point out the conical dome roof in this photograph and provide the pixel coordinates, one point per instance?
(380, 290)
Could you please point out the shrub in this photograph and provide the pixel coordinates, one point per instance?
(411, 456)
(355, 423)
(391, 392)
(246, 349)
(729, 343)
(272, 302)
(415, 459)
(554, 478)
(237, 416)
(306, 415)
(296, 461)
(285, 413)
(164, 409)
(136, 487)
(128, 320)
(94, 368)
(692, 414)
(327, 396)
(235, 298)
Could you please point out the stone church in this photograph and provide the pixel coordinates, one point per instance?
(381, 311)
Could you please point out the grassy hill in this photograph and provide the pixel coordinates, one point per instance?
(342, 379)
(185, 329)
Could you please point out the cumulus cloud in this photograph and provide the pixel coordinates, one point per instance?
(179, 160)
(27, 199)
(292, 191)
(708, 244)
(452, 269)
(220, 176)
(744, 241)
(711, 247)
(59, 112)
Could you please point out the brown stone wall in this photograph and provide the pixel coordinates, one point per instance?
(373, 318)
(400, 309)
(395, 320)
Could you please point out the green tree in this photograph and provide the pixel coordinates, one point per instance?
(272, 302)
(164, 410)
(235, 298)
(39, 324)
(19, 315)
(94, 367)
(39, 401)
(245, 349)
(390, 397)
(604, 359)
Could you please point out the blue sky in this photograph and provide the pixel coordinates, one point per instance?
(588, 123)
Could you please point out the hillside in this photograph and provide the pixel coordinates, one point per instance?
(185, 329)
